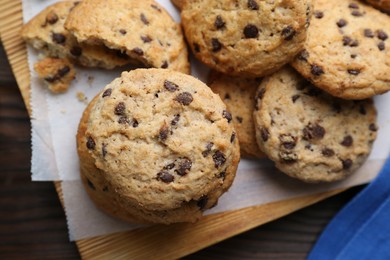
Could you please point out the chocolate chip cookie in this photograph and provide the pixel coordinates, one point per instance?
(157, 146)
(143, 30)
(239, 96)
(248, 38)
(46, 33)
(347, 51)
(56, 73)
(309, 134)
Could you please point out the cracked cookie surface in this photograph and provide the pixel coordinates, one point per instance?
(347, 51)
(248, 38)
(309, 134)
(157, 146)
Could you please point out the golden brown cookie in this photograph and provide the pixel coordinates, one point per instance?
(46, 33)
(347, 51)
(157, 146)
(309, 134)
(248, 38)
(56, 73)
(142, 29)
(239, 96)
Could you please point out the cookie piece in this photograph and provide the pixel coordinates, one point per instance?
(309, 134)
(383, 5)
(56, 73)
(347, 51)
(178, 3)
(46, 32)
(238, 94)
(141, 29)
(157, 146)
(247, 38)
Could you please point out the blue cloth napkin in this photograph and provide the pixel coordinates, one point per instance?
(361, 230)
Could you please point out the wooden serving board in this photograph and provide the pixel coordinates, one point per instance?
(165, 242)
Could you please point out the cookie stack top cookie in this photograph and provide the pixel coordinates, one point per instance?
(347, 51)
(162, 142)
(248, 38)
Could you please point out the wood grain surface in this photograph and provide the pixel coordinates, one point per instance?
(32, 218)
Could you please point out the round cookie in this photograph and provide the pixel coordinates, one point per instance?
(309, 134)
(142, 29)
(247, 38)
(46, 33)
(157, 146)
(239, 96)
(347, 51)
(383, 5)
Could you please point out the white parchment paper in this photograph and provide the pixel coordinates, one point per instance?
(54, 125)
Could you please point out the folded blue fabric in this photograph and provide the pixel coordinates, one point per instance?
(361, 212)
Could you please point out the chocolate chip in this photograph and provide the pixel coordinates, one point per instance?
(382, 35)
(233, 137)
(295, 98)
(156, 7)
(222, 175)
(227, 116)
(184, 98)
(227, 96)
(63, 71)
(164, 131)
(107, 92)
(356, 13)
(327, 152)
(353, 56)
(288, 157)
(354, 43)
(196, 47)
(251, 31)
(288, 33)
(143, 19)
(341, 23)
(123, 120)
(264, 134)
(353, 6)
(219, 159)
(120, 109)
(164, 65)
(316, 70)
(202, 202)
(164, 176)
(216, 45)
(369, 33)
(346, 164)
(347, 141)
(260, 93)
(347, 40)
(239, 119)
(373, 127)
(175, 120)
(123, 31)
(76, 51)
(381, 46)
(354, 71)
(90, 143)
(219, 22)
(51, 18)
(362, 110)
(138, 51)
(206, 152)
(313, 132)
(170, 86)
(184, 167)
(318, 14)
(90, 185)
(104, 150)
(135, 123)
(58, 38)
(146, 38)
(303, 55)
(253, 5)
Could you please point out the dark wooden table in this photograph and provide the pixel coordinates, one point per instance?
(33, 224)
